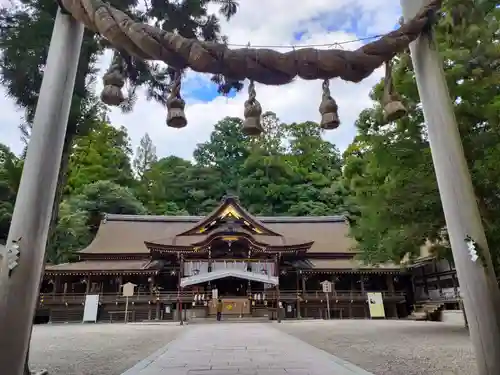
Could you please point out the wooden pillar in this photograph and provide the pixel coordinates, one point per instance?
(209, 269)
(365, 305)
(151, 284)
(389, 279)
(157, 312)
(57, 284)
(89, 283)
(120, 283)
(391, 308)
(438, 280)
(179, 290)
(334, 278)
(455, 286)
(297, 313)
(426, 286)
(349, 309)
(277, 268)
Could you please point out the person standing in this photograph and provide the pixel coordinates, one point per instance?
(219, 309)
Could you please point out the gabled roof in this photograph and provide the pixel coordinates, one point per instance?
(229, 222)
(230, 208)
(125, 234)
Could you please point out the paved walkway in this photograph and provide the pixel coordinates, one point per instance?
(246, 349)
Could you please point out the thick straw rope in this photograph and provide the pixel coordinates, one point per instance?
(260, 65)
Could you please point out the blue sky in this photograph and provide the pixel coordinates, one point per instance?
(258, 22)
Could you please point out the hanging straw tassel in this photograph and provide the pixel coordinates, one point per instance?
(176, 118)
(328, 109)
(114, 80)
(253, 112)
(393, 108)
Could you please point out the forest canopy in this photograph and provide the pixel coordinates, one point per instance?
(384, 182)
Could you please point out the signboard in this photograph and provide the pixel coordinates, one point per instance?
(376, 304)
(91, 307)
(327, 286)
(128, 289)
(215, 293)
(167, 309)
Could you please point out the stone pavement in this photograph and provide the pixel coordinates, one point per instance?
(246, 349)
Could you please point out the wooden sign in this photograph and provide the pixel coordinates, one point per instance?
(128, 289)
(327, 286)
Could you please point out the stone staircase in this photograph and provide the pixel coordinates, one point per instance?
(427, 311)
(230, 319)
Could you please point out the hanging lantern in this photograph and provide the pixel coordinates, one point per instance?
(393, 108)
(328, 109)
(253, 112)
(114, 80)
(176, 118)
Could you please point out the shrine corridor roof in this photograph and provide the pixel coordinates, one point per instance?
(126, 234)
(106, 267)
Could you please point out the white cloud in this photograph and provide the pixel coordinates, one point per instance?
(260, 22)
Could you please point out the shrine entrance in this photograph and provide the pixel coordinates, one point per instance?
(233, 287)
(230, 287)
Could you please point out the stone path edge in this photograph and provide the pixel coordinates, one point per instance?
(355, 369)
(134, 370)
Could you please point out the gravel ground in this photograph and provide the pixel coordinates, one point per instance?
(100, 349)
(381, 347)
(392, 347)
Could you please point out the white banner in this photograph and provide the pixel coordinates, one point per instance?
(376, 304)
(266, 268)
(229, 265)
(193, 268)
(91, 307)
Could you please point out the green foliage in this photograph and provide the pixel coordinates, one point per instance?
(385, 181)
(10, 175)
(394, 202)
(273, 175)
(103, 154)
(105, 197)
(145, 156)
(71, 235)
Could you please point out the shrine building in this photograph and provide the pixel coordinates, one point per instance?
(260, 267)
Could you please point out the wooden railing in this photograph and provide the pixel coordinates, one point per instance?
(187, 296)
(447, 296)
(338, 294)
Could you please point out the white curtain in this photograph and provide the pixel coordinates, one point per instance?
(267, 268)
(192, 268)
(220, 265)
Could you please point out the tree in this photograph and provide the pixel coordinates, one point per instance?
(389, 167)
(317, 165)
(103, 154)
(163, 183)
(145, 156)
(225, 152)
(10, 175)
(70, 235)
(104, 197)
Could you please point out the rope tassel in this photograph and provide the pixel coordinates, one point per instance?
(328, 109)
(176, 118)
(114, 80)
(253, 112)
(393, 108)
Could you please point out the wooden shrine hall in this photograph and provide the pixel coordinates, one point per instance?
(260, 267)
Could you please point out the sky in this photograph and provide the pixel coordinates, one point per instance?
(260, 23)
